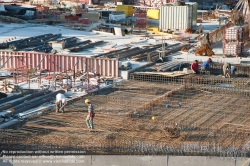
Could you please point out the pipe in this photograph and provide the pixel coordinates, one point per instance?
(68, 40)
(32, 104)
(111, 52)
(30, 39)
(15, 96)
(15, 103)
(19, 47)
(118, 54)
(76, 44)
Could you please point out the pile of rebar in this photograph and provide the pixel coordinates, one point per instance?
(169, 66)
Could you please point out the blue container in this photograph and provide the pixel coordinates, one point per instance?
(167, 106)
(179, 105)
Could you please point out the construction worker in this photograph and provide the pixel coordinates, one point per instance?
(91, 115)
(206, 64)
(60, 102)
(227, 69)
(195, 67)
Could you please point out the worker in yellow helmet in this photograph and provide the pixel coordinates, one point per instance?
(91, 115)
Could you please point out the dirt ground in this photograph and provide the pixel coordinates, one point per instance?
(189, 115)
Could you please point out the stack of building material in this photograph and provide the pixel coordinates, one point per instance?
(72, 18)
(11, 19)
(233, 41)
(140, 15)
(83, 21)
(128, 9)
(169, 66)
(140, 22)
(233, 48)
(93, 17)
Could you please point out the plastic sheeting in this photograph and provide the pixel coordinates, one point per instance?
(117, 17)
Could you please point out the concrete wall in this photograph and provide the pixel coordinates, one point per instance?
(105, 160)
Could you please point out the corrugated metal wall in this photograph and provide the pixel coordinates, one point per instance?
(178, 17)
(59, 63)
(174, 17)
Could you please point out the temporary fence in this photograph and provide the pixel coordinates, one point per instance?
(59, 63)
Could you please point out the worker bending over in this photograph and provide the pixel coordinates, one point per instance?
(228, 70)
(60, 102)
(91, 115)
(206, 64)
(195, 67)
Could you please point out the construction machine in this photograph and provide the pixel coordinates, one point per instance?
(240, 12)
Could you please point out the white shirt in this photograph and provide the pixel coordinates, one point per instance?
(61, 97)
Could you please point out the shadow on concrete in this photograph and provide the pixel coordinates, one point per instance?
(4, 162)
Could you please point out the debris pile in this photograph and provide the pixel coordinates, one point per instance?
(7, 86)
(189, 30)
(184, 49)
(205, 50)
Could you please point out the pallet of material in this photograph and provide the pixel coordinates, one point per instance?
(93, 17)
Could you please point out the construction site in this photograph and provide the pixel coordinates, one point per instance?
(135, 67)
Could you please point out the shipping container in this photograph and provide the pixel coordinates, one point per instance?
(178, 17)
(128, 9)
(153, 14)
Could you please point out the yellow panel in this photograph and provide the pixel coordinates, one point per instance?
(153, 14)
(154, 30)
(127, 12)
(127, 7)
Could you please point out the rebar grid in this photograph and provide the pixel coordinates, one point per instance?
(210, 123)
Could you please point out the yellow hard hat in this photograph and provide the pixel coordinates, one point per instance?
(87, 101)
(153, 117)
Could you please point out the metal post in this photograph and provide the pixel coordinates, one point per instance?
(74, 78)
(39, 85)
(29, 80)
